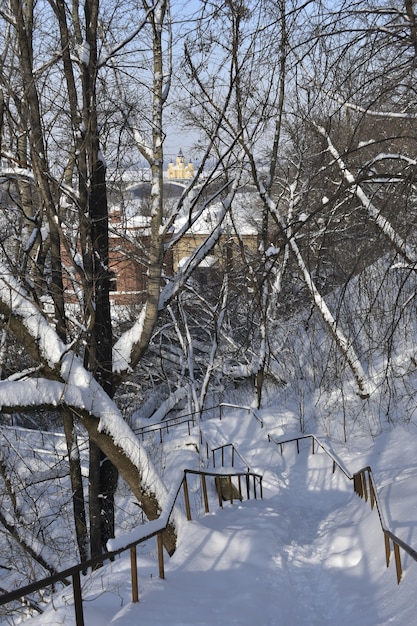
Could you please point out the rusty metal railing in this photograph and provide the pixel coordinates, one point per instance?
(227, 450)
(315, 445)
(165, 426)
(151, 529)
(365, 487)
(189, 419)
(249, 409)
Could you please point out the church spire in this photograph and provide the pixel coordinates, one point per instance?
(180, 171)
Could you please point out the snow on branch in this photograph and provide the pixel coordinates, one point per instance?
(30, 393)
(74, 386)
(17, 173)
(80, 391)
(382, 223)
(17, 301)
(364, 384)
(141, 144)
(366, 111)
(388, 156)
(124, 347)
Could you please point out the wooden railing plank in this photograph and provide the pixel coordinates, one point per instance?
(186, 498)
(134, 574)
(78, 600)
(205, 497)
(161, 556)
(398, 566)
(387, 549)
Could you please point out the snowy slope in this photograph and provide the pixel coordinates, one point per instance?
(311, 552)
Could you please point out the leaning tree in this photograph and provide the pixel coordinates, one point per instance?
(84, 87)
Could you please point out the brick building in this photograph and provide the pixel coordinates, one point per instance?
(129, 237)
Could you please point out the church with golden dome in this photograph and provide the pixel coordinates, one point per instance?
(180, 171)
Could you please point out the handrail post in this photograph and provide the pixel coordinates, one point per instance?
(204, 487)
(134, 574)
(387, 549)
(365, 489)
(247, 487)
(78, 600)
(371, 490)
(186, 497)
(219, 492)
(239, 483)
(312, 445)
(160, 555)
(398, 562)
(357, 484)
(233, 456)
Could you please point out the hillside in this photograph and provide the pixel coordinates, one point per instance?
(310, 552)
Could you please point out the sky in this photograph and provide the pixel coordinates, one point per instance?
(310, 552)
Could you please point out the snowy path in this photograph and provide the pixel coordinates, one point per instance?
(296, 557)
(310, 553)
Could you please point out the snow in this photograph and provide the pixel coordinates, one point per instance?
(310, 552)
(102, 158)
(78, 388)
(272, 250)
(399, 244)
(84, 52)
(122, 348)
(12, 293)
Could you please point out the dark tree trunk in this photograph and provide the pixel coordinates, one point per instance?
(78, 503)
(103, 477)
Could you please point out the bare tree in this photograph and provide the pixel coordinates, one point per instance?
(305, 107)
(60, 76)
(302, 90)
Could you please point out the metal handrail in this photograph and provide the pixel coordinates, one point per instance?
(315, 442)
(189, 418)
(155, 529)
(365, 487)
(239, 406)
(165, 425)
(235, 452)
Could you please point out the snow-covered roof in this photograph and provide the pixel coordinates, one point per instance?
(244, 217)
